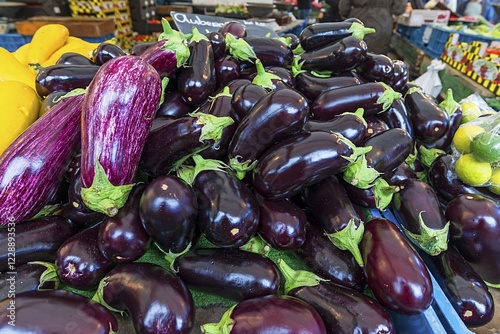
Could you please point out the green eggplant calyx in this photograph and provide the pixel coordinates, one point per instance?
(257, 244)
(189, 173)
(349, 238)
(493, 285)
(241, 168)
(224, 326)
(48, 275)
(383, 192)
(263, 78)
(240, 49)
(102, 196)
(431, 241)
(428, 155)
(180, 47)
(359, 174)
(449, 105)
(297, 278)
(170, 256)
(212, 125)
(388, 97)
(99, 297)
(360, 31)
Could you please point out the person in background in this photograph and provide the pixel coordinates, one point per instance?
(473, 8)
(333, 14)
(488, 12)
(304, 10)
(377, 14)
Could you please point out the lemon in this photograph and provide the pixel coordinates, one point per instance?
(486, 147)
(470, 111)
(464, 135)
(494, 183)
(472, 171)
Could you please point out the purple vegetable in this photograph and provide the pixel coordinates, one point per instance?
(28, 277)
(106, 51)
(65, 77)
(312, 86)
(161, 58)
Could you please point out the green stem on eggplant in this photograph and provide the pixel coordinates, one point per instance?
(349, 238)
(428, 155)
(264, 78)
(98, 297)
(224, 326)
(49, 275)
(164, 83)
(360, 114)
(102, 196)
(239, 49)
(258, 245)
(359, 174)
(170, 256)
(449, 105)
(297, 278)
(241, 168)
(360, 31)
(383, 192)
(388, 97)
(176, 42)
(431, 241)
(189, 173)
(212, 125)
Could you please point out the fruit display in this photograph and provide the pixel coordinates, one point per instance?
(254, 173)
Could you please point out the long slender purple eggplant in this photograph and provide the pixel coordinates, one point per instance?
(79, 262)
(396, 116)
(270, 51)
(329, 207)
(28, 277)
(33, 166)
(329, 261)
(312, 85)
(168, 209)
(405, 288)
(35, 240)
(372, 97)
(421, 215)
(342, 309)
(269, 314)
(120, 104)
(161, 303)
(275, 116)
(122, 238)
(231, 273)
(64, 77)
(162, 58)
(55, 311)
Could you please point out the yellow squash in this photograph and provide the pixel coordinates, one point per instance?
(76, 47)
(12, 70)
(46, 40)
(21, 53)
(20, 106)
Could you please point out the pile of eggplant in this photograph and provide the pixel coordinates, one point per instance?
(247, 168)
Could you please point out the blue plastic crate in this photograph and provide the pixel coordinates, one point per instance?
(469, 38)
(437, 40)
(12, 42)
(415, 36)
(98, 39)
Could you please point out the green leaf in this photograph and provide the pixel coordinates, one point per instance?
(349, 238)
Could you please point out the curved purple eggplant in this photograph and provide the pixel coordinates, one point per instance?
(74, 58)
(350, 125)
(105, 52)
(312, 86)
(244, 98)
(218, 42)
(404, 288)
(396, 116)
(231, 273)
(173, 106)
(27, 277)
(161, 303)
(55, 311)
(377, 67)
(168, 209)
(65, 77)
(227, 69)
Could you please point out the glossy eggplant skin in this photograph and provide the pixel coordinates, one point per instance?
(396, 116)
(405, 288)
(161, 303)
(311, 86)
(390, 148)
(365, 198)
(162, 59)
(231, 273)
(398, 174)
(218, 43)
(27, 277)
(475, 231)
(35, 240)
(463, 286)
(244, 98)
(56, 311)
(377, 67)
(168, 209)
(105, 52)
(228, 211)
(75, 194)
(297, 162)
(400, 76)
(330, 262)
(173, 106)
(444, 142)
(282, 224)
(430, 122)
(227, 69)
(276, 115)
(197, 80)
(79, 262)
(319, 35)
(81, 219)
(276, 313)
(334, 102)
(271, 51)
(74, 58)
(344, 310)
(122, 238)
(343, 55)
(65, 77)
(374, 126)
(348, 125)
(235, 28)
(138, 48)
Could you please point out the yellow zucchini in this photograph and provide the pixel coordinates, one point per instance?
(12, 70)
(46, 40)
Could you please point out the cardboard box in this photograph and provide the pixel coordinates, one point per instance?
(418, 17)
(79, 27)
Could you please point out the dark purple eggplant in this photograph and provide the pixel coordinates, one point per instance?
(79, 218)
(74, 166)
(244, 98)
(74, 58)
(235, 28)
(374, 126)
(269, 314)
(445, 181)
(122, 238)
(50, 100)
(292, 40)
(228, 211)
(430, 122)
(33, 166)
(350, 125)
(319, 35)
(275, 116)
(372, 97)
(197, 80)
(161, 303)
(294, 163)
(312, 85)
(55, 311)
(377, 67)
(343, 55)
(162, 58)
(475, 231)
(282, 224)
(106, 51)
(422, 218)
(138, 48)
(396, 116)
(379, 195)
(227, 69)
(174, 106)
(329, 207)
(270, 51)
(33, 240)
(329, 261)
(404, 288)
(75, 194)
(231, 273)
(168, 209)
(65, 77)
(343, 310)
(79, 262)
(218, 43)
(398, 174)
(28, 277)
(125, 93)
(465, 289)
(400, 76)
(173, 139)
